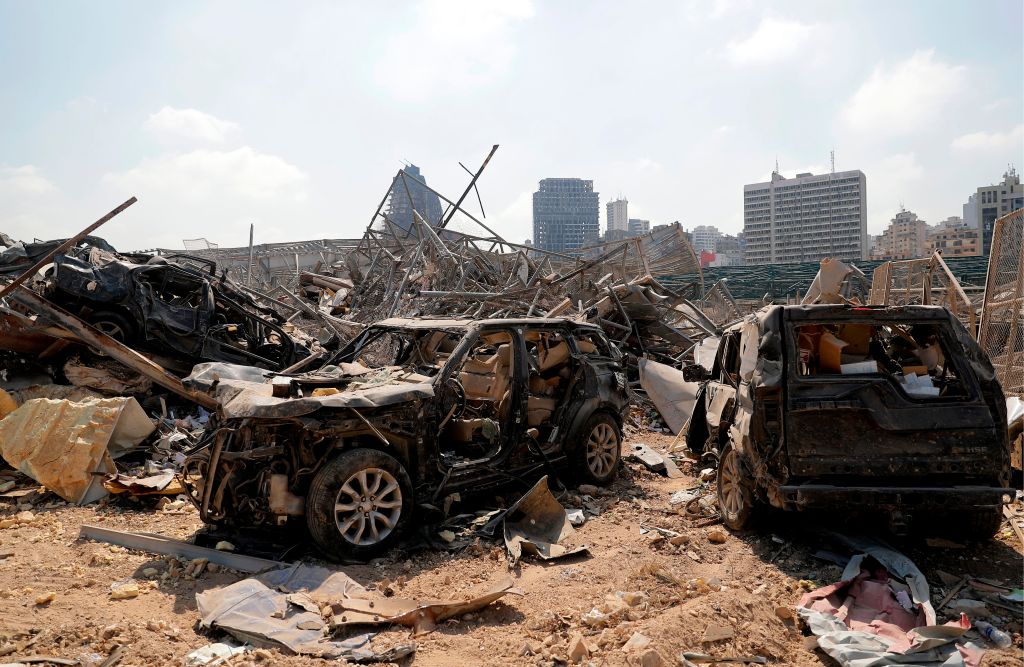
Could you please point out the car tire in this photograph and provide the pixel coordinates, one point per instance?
(358, 504)
(114, 325)
(737, 503)
(598, 448)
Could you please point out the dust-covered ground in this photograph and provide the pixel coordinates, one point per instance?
(691, 588)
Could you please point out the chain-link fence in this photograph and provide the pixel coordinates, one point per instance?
(1002, 320)
(719, 305)
(925, 281)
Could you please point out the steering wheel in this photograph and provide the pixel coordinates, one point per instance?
(460, 393)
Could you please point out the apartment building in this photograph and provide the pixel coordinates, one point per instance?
(906, 237)
(705, 237)
(806, 218)
(995, 201)
(953, 237)
(617, 215)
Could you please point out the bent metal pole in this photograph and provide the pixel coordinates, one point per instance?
(43, 261)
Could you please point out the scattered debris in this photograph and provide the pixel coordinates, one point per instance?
(163, 545)
(651, 459)
(537, 524)
(215, 653)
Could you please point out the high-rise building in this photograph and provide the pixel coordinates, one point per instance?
(995, 201)
(953, 238)
(806, 218)
(637, 227)
(618, 215)
(971, 212)
(905, 238)
(705, 237)
(401, 202)
(565, 214)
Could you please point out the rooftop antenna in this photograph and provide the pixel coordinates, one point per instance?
(776, 164)
(831, 175)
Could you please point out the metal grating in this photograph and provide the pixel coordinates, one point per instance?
(1002, 320)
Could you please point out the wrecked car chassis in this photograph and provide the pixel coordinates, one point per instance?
(892, 410)
(441, 407)
(243, 470)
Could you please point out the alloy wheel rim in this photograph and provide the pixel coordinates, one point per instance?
(729, 486)
(602, 449)
(111, 329)
(368, 506)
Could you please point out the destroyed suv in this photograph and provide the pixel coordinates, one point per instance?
(835, 406)
(173, 306)
(410, 411)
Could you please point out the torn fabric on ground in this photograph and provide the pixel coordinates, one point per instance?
(880, 614)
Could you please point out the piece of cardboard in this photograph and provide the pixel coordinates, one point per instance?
(830, 350)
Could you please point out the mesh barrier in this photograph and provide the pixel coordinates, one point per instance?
(923, 282)
(1002, 328)
(879, 284)
(719, 305)
(944, 290)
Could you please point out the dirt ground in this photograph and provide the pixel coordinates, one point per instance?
(689, 588)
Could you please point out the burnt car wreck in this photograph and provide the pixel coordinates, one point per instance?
(894, 409)
(411, 410)
(176, 307)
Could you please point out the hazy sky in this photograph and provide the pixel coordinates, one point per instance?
(294, 116)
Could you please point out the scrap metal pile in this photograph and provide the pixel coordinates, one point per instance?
(428, 269)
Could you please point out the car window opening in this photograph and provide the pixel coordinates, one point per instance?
(912, 354)
(420, 352)
(485, 382)
(548, 356)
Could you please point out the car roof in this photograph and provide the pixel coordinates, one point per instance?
(843, 312)
(815, 311)
(465, 323)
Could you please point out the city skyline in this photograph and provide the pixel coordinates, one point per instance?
(257, 124)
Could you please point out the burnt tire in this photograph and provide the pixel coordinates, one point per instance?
(358, 504)
(595, 454)
(115, 325)
(737, 502)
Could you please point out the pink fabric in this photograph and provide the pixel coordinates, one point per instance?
(865, 603)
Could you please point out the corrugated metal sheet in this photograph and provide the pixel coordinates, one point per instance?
(68, 446)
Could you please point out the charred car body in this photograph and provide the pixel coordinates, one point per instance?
(894, 409)
(408, 412)
(174, 306)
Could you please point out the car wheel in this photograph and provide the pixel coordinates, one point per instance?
(358, 504)
(599, 448)
(736, 501)
(114, 325)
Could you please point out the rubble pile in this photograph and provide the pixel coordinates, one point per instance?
(433, 403)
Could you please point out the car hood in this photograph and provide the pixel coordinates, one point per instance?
(246, 391)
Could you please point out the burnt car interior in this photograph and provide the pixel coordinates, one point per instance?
(551, 377)
(913, 355)
(483, 383)
(384, 355)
